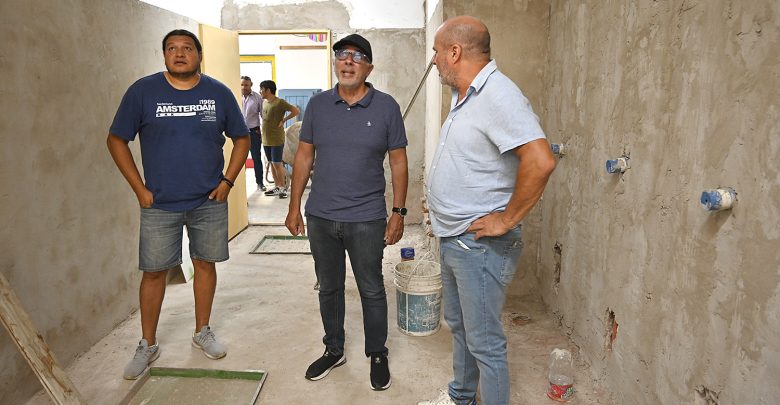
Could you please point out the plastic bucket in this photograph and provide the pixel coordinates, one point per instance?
(418, 296)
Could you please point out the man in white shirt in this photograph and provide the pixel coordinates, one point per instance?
(491, 145)
(252, 108)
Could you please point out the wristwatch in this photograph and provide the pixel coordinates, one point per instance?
(401, 211)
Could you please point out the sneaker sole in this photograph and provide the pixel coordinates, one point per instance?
(326, 372)
(197, 346)
(390, 381)
(155, 356)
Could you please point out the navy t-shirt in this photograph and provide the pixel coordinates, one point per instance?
(350, 144)
(181, 135)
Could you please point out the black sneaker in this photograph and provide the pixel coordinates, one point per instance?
(322, 366)
(380, 372)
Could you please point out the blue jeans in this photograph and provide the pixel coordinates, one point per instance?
(274, 153)
(256, 148)
(161, 235)
(474, 282)
(364, 242)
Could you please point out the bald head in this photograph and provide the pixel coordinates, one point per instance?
(468, 32)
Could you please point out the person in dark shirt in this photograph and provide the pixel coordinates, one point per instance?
(352, 128)
(180, 116)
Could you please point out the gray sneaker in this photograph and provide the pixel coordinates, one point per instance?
(206, 341)
(283, 193)
(144, 355)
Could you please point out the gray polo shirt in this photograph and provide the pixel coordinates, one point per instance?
(473, 170)
(350, 144)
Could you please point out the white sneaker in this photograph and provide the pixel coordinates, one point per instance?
(443, 399)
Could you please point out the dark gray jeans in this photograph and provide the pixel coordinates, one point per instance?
(364, 242)
(256, 148)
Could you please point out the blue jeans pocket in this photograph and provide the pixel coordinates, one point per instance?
(511, 257)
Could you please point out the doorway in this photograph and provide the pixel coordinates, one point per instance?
(299, 62)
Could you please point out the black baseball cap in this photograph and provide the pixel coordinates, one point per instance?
(355, 40)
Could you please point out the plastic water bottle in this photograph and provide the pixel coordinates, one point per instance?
(561, 376)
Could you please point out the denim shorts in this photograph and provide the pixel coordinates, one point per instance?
(161, 235)
(274, 153)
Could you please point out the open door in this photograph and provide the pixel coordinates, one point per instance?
(221, 61)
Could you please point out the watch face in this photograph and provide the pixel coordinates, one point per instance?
(402, 211)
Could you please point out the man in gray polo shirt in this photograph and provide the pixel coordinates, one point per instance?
(492, 147)
(346, 133)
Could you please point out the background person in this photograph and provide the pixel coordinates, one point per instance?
(274, 110)
(252, 109)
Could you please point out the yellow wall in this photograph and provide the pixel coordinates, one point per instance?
(221, 61)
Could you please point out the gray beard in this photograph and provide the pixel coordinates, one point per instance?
(448, 80)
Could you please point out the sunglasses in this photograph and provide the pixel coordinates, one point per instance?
(357, 57)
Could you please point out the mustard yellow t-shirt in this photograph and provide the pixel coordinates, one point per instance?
(273, 112)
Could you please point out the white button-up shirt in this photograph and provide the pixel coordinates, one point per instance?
(473, 171)
(252, 108)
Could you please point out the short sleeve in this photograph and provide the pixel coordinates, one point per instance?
(307, 134)
(128, 117)
(513, 123)
(396, 136)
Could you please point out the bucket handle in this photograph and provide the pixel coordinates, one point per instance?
(422, 259)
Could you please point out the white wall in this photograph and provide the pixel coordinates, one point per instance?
(203, 11)
(430, 9)
(364, 14)
(295, 69)
(367, 14)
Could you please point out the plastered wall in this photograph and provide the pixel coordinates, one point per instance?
(691, 91)
(70, 222)
(399, 64)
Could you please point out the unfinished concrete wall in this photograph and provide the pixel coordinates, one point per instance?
(70, 222)
(399, 64)
(518, 34)
(691, 91)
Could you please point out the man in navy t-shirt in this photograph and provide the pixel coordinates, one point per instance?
(180, 116)
(346, 134)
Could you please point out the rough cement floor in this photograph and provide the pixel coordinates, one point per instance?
(266, 313)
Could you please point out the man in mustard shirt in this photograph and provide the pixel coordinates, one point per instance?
(274, 110)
